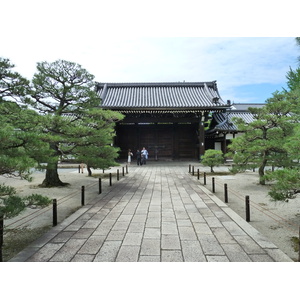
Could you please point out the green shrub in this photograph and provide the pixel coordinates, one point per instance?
(36, 199)
(212, 158)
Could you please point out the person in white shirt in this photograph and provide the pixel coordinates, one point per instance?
(144, 153)
(130, 154)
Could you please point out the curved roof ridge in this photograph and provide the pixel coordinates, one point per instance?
(173, 83)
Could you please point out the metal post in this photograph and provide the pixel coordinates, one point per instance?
(82, 195)
(198, 174)
(189, 168)
(118, 176)
(123, 171)
(247, 208)
(100, 186)
(78, 168)
(54, 212)
(204, 178)
(225, 193)
(109, 179)
(193, 170)
(213, 185)
(126, 169)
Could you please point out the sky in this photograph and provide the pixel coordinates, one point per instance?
(161, 41)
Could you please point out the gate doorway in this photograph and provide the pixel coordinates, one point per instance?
(163, 141)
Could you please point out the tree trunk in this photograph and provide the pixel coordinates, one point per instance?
(89, 170)
(52, 178)
(261, 172)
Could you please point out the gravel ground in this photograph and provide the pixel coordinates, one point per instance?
(278, 221)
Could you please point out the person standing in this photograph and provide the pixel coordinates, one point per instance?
(82, 167)
(138, 158)
(130, 154)
(144, 155)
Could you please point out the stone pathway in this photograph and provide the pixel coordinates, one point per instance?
(156, 213)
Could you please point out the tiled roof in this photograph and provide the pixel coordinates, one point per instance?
(245, 106)
(174, 95)
(225, 121)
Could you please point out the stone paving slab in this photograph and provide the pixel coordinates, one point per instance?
(156, 213)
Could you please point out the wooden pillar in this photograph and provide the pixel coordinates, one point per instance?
(115, 138)
(175, 141)
(137, 135)
(224, 144)
(201, 135)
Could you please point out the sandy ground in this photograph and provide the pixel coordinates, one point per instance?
(278, 221)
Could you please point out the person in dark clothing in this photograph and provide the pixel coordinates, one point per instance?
(138, 158)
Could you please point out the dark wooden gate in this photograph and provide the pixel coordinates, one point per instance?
(163, 141)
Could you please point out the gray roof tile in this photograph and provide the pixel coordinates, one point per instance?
(225, 121)
(170, 95)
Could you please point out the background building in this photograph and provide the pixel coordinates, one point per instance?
(176, 120)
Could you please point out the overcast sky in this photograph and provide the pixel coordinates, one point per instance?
(126, 41)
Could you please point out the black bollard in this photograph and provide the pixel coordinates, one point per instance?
(247, 208)
(225, 193)
(123, 171)
(100, 186)
(193, 171)
(213, 185)
(198, 174)
(1, 237)
(118, 176)
(110, 179)
(204, 178)
(54, 202)
(189, 168)
(82, 195)
(126, 169)
(79, 168)
(299, 245)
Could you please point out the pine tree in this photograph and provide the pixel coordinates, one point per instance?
(262, 143)
(21, 143)
(212, 158)
(75, 124)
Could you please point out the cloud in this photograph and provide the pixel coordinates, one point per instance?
(80, 34)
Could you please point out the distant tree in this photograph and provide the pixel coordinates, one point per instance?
(12, 85)
(65, 93)
(212, 158)
(293, 77)
(297, 39)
